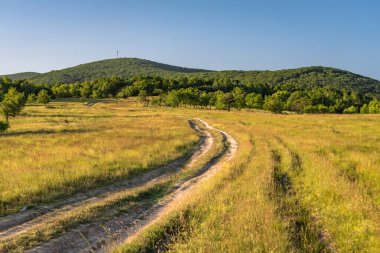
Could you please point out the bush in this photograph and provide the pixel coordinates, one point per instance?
(43, 97)
(374, 106)
(351, 110)
(3, 126)
(274, 104)
(322, 109)
(253, 100)
(364, 109)
(32, 98)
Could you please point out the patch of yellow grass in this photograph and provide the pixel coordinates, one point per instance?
(54, 152)
(336, 188)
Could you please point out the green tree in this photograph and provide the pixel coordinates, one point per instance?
(351, 110)
(219, 103)
(204, 99)
(364, 109)
(143, 98)
(172, 99)
(12, 103)
(374, 106)
(43, 97)
(85, 90)
(4, 126)
(297, 101)
(31, 98)
(274, 103)
(253, 100)
(238, 98)
(228, 100)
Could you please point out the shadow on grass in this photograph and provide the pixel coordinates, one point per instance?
(65, 116)
(49, 131)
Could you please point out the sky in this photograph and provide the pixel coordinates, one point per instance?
(42, 35)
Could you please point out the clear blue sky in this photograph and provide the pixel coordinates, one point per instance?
(42, 35)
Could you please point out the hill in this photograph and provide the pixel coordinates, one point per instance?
(122, 67)
(22, 75)
(305, 78)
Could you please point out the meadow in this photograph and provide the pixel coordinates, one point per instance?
(297, 183)
(54, 152)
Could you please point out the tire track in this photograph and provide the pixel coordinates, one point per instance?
(184, 189)
(20, 223)
(100, 235)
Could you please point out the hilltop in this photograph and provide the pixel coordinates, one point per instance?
(22, 75)
(121, 67)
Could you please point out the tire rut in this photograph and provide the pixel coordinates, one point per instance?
(184, 189)
(101, 235)
(14, 224)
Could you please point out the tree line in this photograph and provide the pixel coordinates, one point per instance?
(201, 92)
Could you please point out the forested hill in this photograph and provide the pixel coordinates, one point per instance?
(305, 78)
(309, 89)
(292, 79)
(22, 76)
(121, 67)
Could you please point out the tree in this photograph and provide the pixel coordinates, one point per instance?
(3, 126)
(204, 99)
(85, 90)
(218, 98)
(172, 99)
(364, 109)
(12, 103)
(143, 98)
(374, 106)
(238, 98)
(351, 110)
(274, 104)
(297, 101)
(253, 100)
(31, 98)
(43, 97)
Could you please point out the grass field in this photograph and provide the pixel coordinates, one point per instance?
(298, 183)
(54, 152)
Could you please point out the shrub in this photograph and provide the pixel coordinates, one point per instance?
(374, 106)
(351, 110)
(364, 109)
(3, 126)
(43, 97)
(274, 104)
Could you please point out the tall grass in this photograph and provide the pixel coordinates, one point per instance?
(54, 152)
(326, 198)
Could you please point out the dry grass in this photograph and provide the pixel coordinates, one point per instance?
(321, 193)
(54, 152)
(299, 183)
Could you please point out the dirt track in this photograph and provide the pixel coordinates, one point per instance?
(99, 235)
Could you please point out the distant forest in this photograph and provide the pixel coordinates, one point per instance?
(303, 90)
